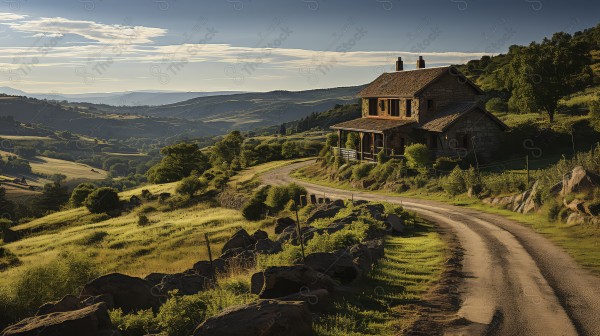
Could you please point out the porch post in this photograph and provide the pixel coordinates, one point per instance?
(360, 136)
(340, 142)
(384, 146)
(373, 146)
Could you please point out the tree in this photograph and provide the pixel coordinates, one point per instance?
(7, 207)
(119, 169)
(179, 162)
(190, 185)
(103, 200)
(496, 104)
(227, 149)
(417, 155)
(54, 195)
(289, 150)
(80, 193)
(595, 114)
(254, 209)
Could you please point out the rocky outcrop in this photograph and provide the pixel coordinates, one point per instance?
(579, 180)
(128, 293)
(184, 284)
(283, 223)
(281, 281)
(525, 202)
(240, 239)
(267, 246)
(327, 211)
(67, 303)
(260, 318)
(395, 224)
(338, 265)
(89, 321)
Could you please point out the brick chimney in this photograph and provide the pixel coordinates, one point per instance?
(420, 63)
(399, 64)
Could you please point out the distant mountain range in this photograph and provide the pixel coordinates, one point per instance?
(129, 98)
(246, 111)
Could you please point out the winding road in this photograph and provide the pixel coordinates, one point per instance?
(515, 282)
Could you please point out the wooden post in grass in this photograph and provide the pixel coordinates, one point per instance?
(212, 269)
(299, 232)
(527, 167)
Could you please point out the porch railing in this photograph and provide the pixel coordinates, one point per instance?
(354, 155)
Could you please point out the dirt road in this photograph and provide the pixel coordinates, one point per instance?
(516, 282)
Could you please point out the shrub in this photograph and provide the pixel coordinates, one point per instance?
(92, 238)
(553, 210)
(417, 155)
(190, 185)
(277, 197)
(381, 157)
(362, 170)
(295, 191)
(254, 209)
(80, 193)
(594, 207)
(140, 323)
(455, 183)
(44, 283)
(143, 220)
(180, 315)
(103, 200)
(352, 140)
(445, 164)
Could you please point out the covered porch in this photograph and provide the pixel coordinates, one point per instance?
(374, 136)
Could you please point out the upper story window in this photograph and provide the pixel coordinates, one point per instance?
(395, 107)
(373, 106)
(381, 105)
(409, 107)
(430, 105)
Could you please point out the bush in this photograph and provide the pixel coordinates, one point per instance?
(445, 164)
(80, 193)
(180, 315)
(594, 208)
(44, 283)
(190, 185)
(254, 209)
(277, 197)
(362, 170)
(103, 200)
(295, 191)
(553, 211)
(381, 157)
(455, 183)
(417, 155)
(496, 105)
(352, 141)
(143, 220)
(140, 323)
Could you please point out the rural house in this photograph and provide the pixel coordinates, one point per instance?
(438, 107)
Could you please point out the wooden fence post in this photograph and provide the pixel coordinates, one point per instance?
(299, 232)
(212, 268)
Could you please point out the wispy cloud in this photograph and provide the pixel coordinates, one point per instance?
(11, 16)
(99, 32)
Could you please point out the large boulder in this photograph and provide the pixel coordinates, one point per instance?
(67, 303)
(395, 224)
(259, 234)
(267, 246)
(240, 239)
(155, 278)
(338, 265)
(260, 318)
(204, 268)
(280, 281)
(532, 202)
(185, 284)
(88, 321)
(128, 293)
(283, 223)
(579, 180)
(325, 212)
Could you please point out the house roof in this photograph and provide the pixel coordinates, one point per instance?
(441, 120)
(409, 82)
(372, 124)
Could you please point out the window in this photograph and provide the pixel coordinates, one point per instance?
(395, 107)
(430, 105)
(382, 105)
(409, 107)
(373, 106)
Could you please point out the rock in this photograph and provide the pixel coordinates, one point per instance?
(105, 298)
(339, 203)
(326, 212)
(128, 293)
(67, 303)
(579, 180)
(531, 203)
(259, 234)
(575, 205)
(239, 259)
(360, 202)
(257, 282)
(203, 267)
(396, 223)
(267, 246)
(260, 318)
(155, 278)
(282, 281)
(185, 284)
(576, 219)
(375, 247)
(318, 300)
(375, 209)
(88, 321)
(283, 223)
(164, 196)
(135, 201)
(240, 239)
(361, 257)
(338, 266)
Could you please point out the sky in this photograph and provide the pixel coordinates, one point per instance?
(83, 46)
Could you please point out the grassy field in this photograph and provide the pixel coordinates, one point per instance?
(74, 171)
(384, 302)
(581, 242)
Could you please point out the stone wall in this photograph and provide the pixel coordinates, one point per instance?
(447, 89)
